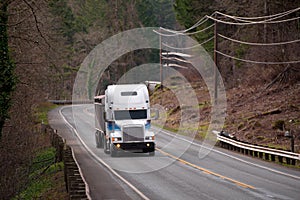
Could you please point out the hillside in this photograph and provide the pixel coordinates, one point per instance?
(262, 96)
(252, 115)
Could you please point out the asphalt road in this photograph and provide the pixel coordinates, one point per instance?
(177, 171)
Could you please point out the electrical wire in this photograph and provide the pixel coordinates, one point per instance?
(257, 62)
(197, 24)
(200, 22)
(245, 20)
(199, 31)
(258, 44)
(185, 48)
(192, 33)
(252, 23)
(241, 22)
(262, 17)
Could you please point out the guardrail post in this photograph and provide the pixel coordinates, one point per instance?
(293, 162)
(226, 146)
(273, 158)
(250, 152)
(223, 144)
(280, 159)
(260, 154)
(267, 156)
(255, 154)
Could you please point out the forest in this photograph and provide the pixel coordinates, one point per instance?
(44, 42)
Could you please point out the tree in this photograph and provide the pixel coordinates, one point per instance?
(156, 13)
(7, 77)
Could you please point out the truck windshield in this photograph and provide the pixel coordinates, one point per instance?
(130, 114)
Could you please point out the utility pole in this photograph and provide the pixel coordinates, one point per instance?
(216, 62)
(160, 61)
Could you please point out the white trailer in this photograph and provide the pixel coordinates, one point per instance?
(122, 120)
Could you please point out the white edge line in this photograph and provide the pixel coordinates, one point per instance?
(100, 161)
(230, 156)
(79, 168)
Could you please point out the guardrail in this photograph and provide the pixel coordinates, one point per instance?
(75, 185)
(228, 142)
(64, 102)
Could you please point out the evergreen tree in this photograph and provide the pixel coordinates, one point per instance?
(156, 13)
(7, 77)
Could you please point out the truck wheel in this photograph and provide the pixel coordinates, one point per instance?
(113, 152)
(152, 153)
(97, 139)
(106, 148)
(101, 143)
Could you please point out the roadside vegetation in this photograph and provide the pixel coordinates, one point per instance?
(46, 178)
(41, 112)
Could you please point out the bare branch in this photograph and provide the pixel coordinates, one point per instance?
(25, 39)
(36, 22)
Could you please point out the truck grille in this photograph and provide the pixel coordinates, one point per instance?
(133, 133)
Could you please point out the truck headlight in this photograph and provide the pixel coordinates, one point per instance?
(115, 139)
(149, 138)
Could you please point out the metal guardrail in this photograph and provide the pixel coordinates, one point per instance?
(74, 181)
(229, 142)
(65, 102)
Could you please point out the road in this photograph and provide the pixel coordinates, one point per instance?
(175, 172)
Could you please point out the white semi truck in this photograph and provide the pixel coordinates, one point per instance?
(122, 120)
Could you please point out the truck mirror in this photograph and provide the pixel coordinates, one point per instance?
(154, 114)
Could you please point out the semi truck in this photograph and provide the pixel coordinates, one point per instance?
(123, 120)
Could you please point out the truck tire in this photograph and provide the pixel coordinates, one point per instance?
(101, 143)
(113, 152)
(97, 139)
(152, 153)
(106, 147)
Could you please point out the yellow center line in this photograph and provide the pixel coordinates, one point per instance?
(206, 170)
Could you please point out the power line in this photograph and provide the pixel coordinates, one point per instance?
(258, 62)
(202, 30)
(252, 23)
(246, 20)
(179, 33)
(185, 48)
(197, 24)
(200, 22)
(258, 44)
(262, 17)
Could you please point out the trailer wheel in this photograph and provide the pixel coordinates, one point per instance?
(101, 142)
(97, 139)
(105, 145)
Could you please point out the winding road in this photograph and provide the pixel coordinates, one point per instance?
(181, 168)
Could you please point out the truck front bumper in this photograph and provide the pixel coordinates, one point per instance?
(143, 147)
